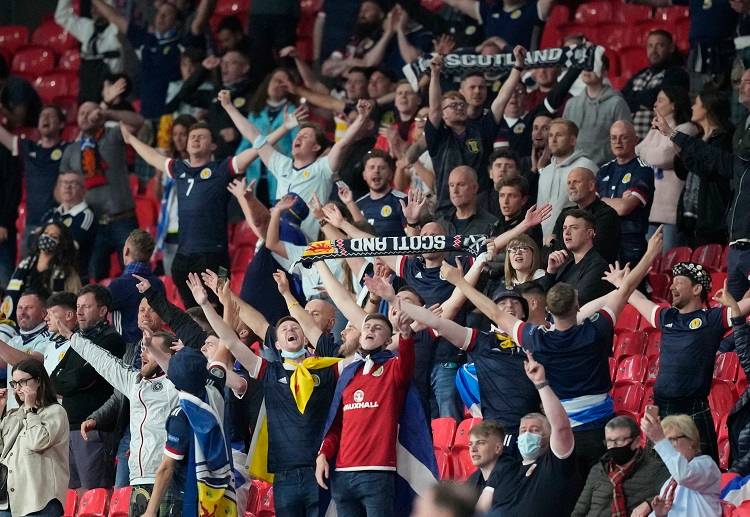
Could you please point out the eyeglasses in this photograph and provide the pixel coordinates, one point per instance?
(455, 106)
(619, 442)
(519, 249)
(20, 383)
(674, 439)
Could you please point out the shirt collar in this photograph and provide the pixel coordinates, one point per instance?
(139, 268)
(74, 210)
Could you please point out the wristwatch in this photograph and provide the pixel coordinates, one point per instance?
(541, 385)
(30, 410)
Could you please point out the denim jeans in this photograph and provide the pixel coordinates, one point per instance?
(443, 383)
(109, 238)
(53, 509)
(122, 471)
(738, 269)
(364, 493)
(295, 493)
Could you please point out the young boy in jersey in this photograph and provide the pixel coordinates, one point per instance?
(202, 199)
(363, 421)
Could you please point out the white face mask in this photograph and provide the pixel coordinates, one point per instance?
(529, 445)
(293, 355)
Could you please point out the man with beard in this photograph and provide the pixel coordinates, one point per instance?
(365, 35)
(382, 205)
(151, 395)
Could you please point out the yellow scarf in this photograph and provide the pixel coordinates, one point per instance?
(302, 382)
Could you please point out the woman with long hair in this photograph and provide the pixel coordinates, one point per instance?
(522, 260)
(49, 268)
(672, 103)
(705, 198)
(266, 111)
(34, 445)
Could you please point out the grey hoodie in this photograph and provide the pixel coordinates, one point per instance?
(594, 118)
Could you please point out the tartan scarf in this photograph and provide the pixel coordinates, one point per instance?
(92, 165)
(617, 476)
(642, 117)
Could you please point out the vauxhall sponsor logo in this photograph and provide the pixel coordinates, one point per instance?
(359, 397)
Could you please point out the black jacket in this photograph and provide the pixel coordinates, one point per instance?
(739, 417)
(607, 228)
(730, 167)
(185, 328)
(586, 277)
(674, 75)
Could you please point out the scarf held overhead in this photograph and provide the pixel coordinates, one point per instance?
(578, 56)
(380, 246)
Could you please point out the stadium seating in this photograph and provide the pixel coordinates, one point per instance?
(722, 397)
(726, 367)
(709, 256)
(673, 256)
(629, 342)
(593, 13)
(94, 503)
(51, 85)
(659, 283)
(70, 60)
(627, 399)
(462, 467)
(13, 37)
(631, 13)
(33, 61)
(443, 432)
(119, 505)
(71, 504)
(628, 319)
(51, 34)
(631, 369)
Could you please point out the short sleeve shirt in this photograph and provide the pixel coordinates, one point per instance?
(634, 178)
(576, 359)
(315, 178)
(384, 213)
(515, 25)
(202, 204)
(688, 349)
(41, 168)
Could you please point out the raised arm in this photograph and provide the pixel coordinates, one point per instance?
(321, 100)
(247, 313)
(7, 139)
(226, 334)
(273, 240)
(452, 305)
(81, 28)
(561, 440)
(150, 155)
(340, 295)
(468, 7)
(111, 15)
(245, 127)
(131, 118)
(455, 276)
(534, 216)
(309, 328)
(503, 96)
(336, 156)
(202, 14)
(435, 92)
(256, 214)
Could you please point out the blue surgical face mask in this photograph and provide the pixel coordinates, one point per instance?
(293, 355)
(529, 445)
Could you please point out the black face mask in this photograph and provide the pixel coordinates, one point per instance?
(620, 455)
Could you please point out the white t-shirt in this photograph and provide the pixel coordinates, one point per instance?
(316, 178)
(311, 282)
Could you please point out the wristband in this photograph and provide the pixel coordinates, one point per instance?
(293, 304)
(413, 225)
(519, 68)
(259, 142)
(541, 385)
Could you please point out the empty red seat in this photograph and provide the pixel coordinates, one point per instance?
(559, 15)
(614, 35)
(33, 61)
(94, 503)
(629, 342)
(628, 318)
(50, 33)
(726, 366)
(628, 398)
(443, 432)
(631, 369)
(70, 132)
(717, 282)
(593, 13)
(243, 236)
(659, 283)
(71, 503)
(632, 59)
(119, 505)
(612, 367)
(708, 255)
(267, 508)
(170, 289)
(462, 467)
(146, 211)
(13, 37)
(653, 342)
(231, 7)
(652, 370)
(722, 397)
(70, 60)
(236, 280)
(672, 14)
(631, 13)
(675, 255)
(69, 105)
(57, 84)
(257, 490)
(241, 258)
(724, 454)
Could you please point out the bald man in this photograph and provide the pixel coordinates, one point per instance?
(582, 192)
(465, 216)
(627, 185)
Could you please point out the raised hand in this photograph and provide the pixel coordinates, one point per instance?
(534, 370)
(58, 327)
(436, 65)
(143, 284)
(333, 215)
(225, 98)
(536, 215)
(211, 62)
(555, 260)
(316, 208)
(660, 123)
(196, 289)
(651, 427)
(110, 91)
(413, 210)
(450, 273)
(237, 188)
(656, 242)
(285, 203)
(282, 282)
(345, 193)
(491, 251)
(519, 52)
(660, 506)
(444, 44)
(724, 297)
(615, 275)
(403, 322)
(211, 280)
(364, 108)
(290, 51)
(381, 287)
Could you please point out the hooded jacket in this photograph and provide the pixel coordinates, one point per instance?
(594, 116)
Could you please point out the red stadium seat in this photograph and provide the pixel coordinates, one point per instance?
(573, 29)
(722, 397)
(57, 84)
(672, 14)
(675, 255)
(628, 319)
(69, 105)
(632, 59)
(462, 467)
(708, 255)
(559, 15)
(31, 133)
(94, 503)
(236, 280)
(241, 258)
(717, 282)
(615, 36)
(146, 211)
(50, 33)
(13, 37)
(724, 454)
(653, 342)
(631, 369)
(443, 432)
(70, 60)
(726, 366)
(170, 289)
(71, 503)
(659, 283)
(267, 506)
(648, 397)
(70, 132)
(631, 13)
(724, 258)
(628, 399)
(612, 367)
(33, 61)
(593, 13)
(119, 506)
(629, 342)
(243, 236)
(231, 7)
(652, 370)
